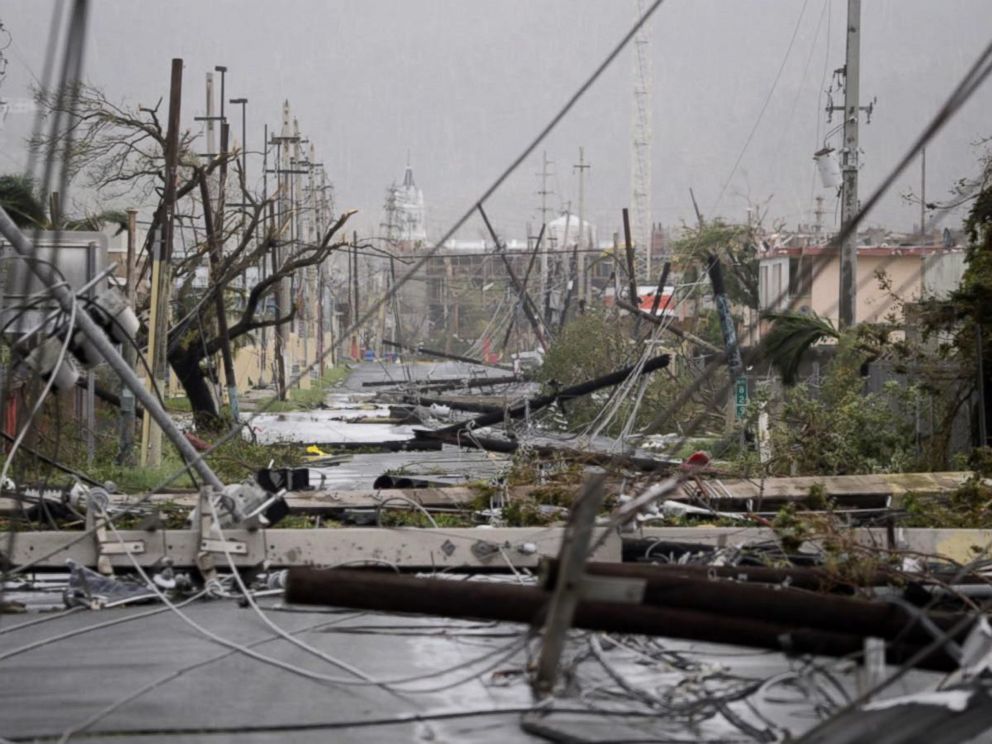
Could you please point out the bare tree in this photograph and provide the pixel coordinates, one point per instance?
(118, 152)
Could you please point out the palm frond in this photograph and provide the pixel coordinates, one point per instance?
(95, 222)
(790, 337)
(20, 200)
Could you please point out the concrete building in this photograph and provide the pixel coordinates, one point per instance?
(808, 278)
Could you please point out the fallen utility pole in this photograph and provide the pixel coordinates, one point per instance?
(388, 592)
(664, 588)
(508, 446)
(444, 355)
(461, 405)
(670, 327)
(447, 382)
(525, 300)
(570, 393)
(812, 578)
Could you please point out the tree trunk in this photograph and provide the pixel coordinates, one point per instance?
(186, 365)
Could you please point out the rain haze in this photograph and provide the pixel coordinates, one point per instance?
(459, 88)
(496, 371)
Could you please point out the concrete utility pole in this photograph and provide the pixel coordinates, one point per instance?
(849, 167)
(543, 193)
(923, 195)
(818, 216)
(216, 230)
(582, 166)
(151, 435)
(126, 454)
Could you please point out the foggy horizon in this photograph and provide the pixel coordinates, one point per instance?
(460, 88)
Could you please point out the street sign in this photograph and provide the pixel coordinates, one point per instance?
(740, 396)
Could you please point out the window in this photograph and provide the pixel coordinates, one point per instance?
(801, 276)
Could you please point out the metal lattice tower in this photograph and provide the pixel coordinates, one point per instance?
(391, 218)
(641, 148)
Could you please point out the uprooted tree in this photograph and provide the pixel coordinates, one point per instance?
(118, 152)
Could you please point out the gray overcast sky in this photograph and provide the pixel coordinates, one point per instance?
(463, 85)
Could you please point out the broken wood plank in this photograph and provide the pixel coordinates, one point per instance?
(841, 488)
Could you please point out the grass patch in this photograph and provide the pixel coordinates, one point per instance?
(178, 404)
(300, 399)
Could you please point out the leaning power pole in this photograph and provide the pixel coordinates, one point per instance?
(849, 167)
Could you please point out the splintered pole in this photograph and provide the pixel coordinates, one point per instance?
(631, 276)
(565, 596)
(151, 434)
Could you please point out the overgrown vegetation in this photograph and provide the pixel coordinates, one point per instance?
(837, 428)
(599, 342)
(967, 507)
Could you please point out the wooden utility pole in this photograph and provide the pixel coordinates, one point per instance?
(635, 299)
(151, 434)
(849, 167)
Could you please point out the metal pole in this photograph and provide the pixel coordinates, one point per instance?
(849, 198)
(106, 349)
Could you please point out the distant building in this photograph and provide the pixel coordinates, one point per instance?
(405, 222)
(809, 278)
